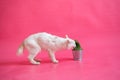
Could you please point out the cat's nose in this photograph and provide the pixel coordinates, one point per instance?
(73, 46)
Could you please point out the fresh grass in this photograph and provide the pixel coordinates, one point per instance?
(78, 46)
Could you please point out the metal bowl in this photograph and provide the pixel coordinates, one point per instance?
(77, 55)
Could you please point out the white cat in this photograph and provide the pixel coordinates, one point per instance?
(44, 41)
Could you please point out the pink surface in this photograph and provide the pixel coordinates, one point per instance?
(96, 24)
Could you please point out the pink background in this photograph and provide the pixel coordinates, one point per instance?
(95, 23)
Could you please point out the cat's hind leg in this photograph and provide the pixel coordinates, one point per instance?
(33, 49)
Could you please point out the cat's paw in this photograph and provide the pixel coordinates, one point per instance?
(56, 61)
(35, 62)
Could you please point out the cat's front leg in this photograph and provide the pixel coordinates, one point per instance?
(52, 56)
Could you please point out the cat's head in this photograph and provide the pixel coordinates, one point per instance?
(70, 43)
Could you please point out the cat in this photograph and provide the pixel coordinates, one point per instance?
(35, 43)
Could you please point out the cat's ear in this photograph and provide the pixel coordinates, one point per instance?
(67, 38)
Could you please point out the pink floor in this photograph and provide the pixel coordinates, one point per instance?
(100, 62)
(96, 24)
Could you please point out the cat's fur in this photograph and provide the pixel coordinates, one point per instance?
(44, 41)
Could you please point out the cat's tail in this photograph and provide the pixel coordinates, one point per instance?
(20, 49)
